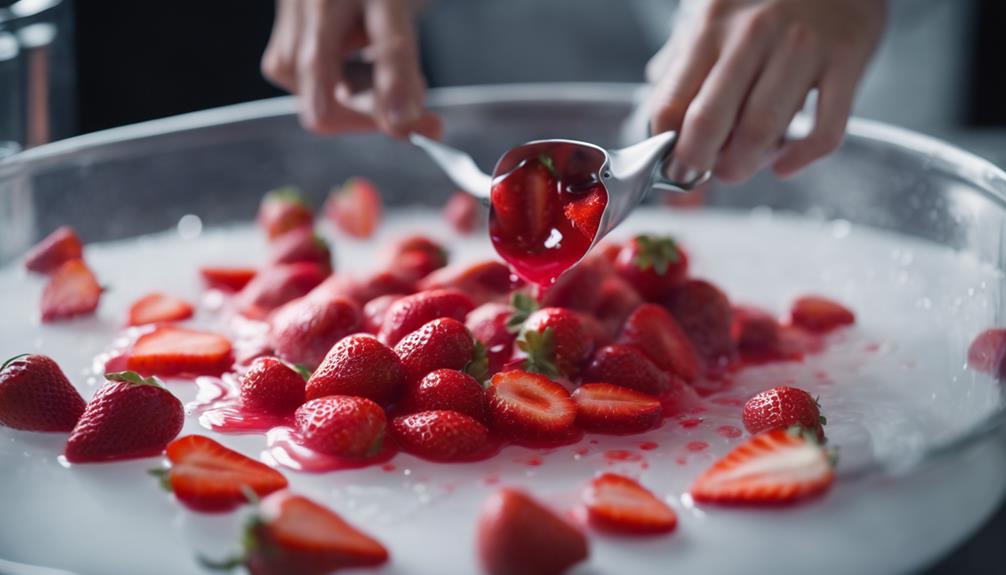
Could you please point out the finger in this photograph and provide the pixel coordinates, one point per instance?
(777, 95)
(836, 91)
(688, 65)
(428, 124)
(279, 61)
(711, 115)
(399, 88)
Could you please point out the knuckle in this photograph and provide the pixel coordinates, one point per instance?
(760, 127)
(802, 36)
(826, 140)
(717, 11)
(703, 119)
(760, 23)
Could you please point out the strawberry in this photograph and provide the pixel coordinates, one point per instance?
(362, 291)
(606, 408)
(987, 352)
(495, 325)
(358, 365)
(585, 211)
(300, 245)
(158, 308)
(655, 332)
(578, 287)
(415, 257)
(72, 291)
(36, 396)
(619, 504)
(519, 536)
(463, 213)
(704, 313)
(170, 350)
(54, 250)
(303, 330)
(775, 467)
(129, 417)
(678, 398)
(272, 386)
(276, 285)
(818, 314)
(626, 366)
(448, 389)
(529, 407)
(616, 300)
(440, 344)
(230, 279)
(609, 250)
(784, 407)
(375, 311)
(441, 435)
(484, 281)
(283, 210)
(206, 476)
(341, 425)
(524, 204)
(556, 341)
(756, 332)
(355, 208)
(411, 312)
(653, 265)
(293, 535)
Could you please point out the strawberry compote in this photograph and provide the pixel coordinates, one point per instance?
(545, 215)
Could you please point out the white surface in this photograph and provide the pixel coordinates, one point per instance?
(921, 304)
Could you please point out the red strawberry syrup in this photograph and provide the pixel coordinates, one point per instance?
(284, 449)
(220, 409)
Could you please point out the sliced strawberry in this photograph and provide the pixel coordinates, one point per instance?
(529, 407)
(626, 366)
(557, 342)
(230, 279)
(606, 408)
(359, 365)
(655, 332)
(277, 285)
(620, 504)
(524, 204)
(441, 435)
(206, 476)
(355, 208)
(272, 386)
(784, 407)
(415, 257)
(448, 389)
(72, 291)
(778, 466)
(172, 350)
(300, 245)
(818, 314)
(585, 211)
(304, 330)
(653, 265)
(129, 417)
(519, 536)
(375, 311)
(987, 352)
(342, 425)
(411, 312)
(35, 395)
(283, 210)
(463, 212)
(158, 308)
(440, 344)
(54, 250)
(705, 314)
(484, 281)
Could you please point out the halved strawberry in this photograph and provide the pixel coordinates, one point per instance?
(778, 466)
(656, 333)
(987, 352)
(463, 212)
(292, 534)
(443, 343)
(606, 408)
(620, 504)
(277, 285)
(529, 407)
(355, 208)
(484, 281)
(704, 313)
(653, 265)
(283, 210)
(756, 332)
(627, 366)
(524, 204)
(72, 291)
(819, 314)
(304, 330)
(206, 476)
(448, 389)
(158, 308)
(783, 407)
(300, 245)
(519, 536)
(441, 435)
(227, 278)
(170, 350)
(411, 312)
(342, 425)
(359, 365)
(54, 250)
(585, 211)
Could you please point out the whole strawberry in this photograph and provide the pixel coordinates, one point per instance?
(300, 245)
(130, 417)
(305, 329)
(359, 365)
(705, 315)
(283, 210)
(556, 341)
(653, 265)
(783, 407)
(440, 344)
(54, 250)
(656, 333)
(483, 282)
(36, 396)
(342, 425)
(448, 389)
(272, 386)
(373, 314)
(415, 257)
(627, 366)
(411, 312)
(441, 435)
(362, 291)
(496, 325)
(276, 285)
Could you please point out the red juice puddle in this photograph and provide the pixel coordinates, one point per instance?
(728, 401)
(388, 467)
(728, 431)
(284, 449)
(691, 422)
(574, 436)
(648, 445)
(491, 479)
(220, 409)
(696, 446)
(581, 451)
(533, 461)
(593, 442)
(613, 455)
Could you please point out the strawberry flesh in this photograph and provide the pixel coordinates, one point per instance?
(527, 407)
(158, 308)
(72, 291)
(54, 250)
(606, 408)
(619, 504)
(820, 315)
(174, 351)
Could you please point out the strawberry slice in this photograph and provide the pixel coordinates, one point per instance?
(524, 204)
(355, 208)
(158, 308)
(230, 279)
(172, 350)
(987, 352)
(779, 466)
(277, 285)
(441, 435)
(619, 504)
(606, 408)
(585, 212)
(206, 476)
(72, 291)
(529, 407)
(54, 250)
(656, 333)
(818, 314)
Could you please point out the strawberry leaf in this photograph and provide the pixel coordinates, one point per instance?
(11, 360)
(478, 366)
(133, 378)
(657, 253)
(163, 478)
(302, 370)
(523, 306)
(540, 349)
(546, 161)
(289, 194)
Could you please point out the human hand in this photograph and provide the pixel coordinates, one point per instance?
(307, 53)
(731, 80)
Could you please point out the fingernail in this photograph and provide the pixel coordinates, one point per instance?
(680, 173)
(404, 113)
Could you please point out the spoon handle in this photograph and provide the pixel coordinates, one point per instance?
(459, 166)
